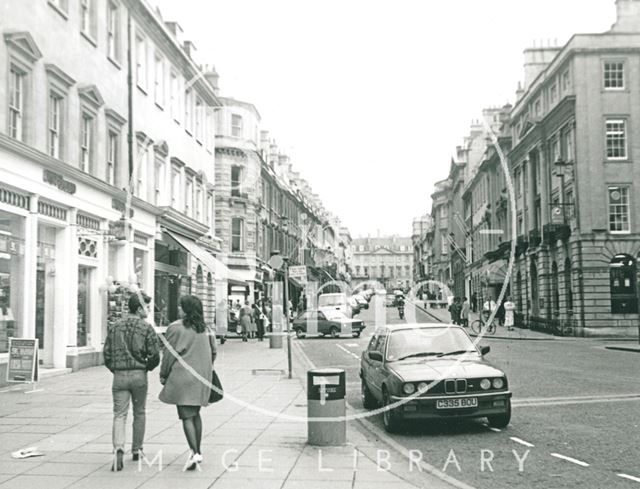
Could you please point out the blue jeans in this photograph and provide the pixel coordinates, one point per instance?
(129, 385)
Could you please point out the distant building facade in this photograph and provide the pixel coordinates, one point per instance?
(386, 260)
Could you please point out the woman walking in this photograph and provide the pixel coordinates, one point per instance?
(184, 366)
(245, 320)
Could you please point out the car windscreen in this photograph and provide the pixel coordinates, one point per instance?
(334, 315)
(332, 300)
(426, 342)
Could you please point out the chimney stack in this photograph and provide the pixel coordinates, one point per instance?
(175, 30)
(189, 48)
(628, 16)
(536, 59)
(212, 77)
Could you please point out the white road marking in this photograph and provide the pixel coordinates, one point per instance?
(492, 428)
(522, 442)
(348, 351)
(630, 477)
(351, 345)
(569, 459)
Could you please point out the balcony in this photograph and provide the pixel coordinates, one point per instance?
(534, 238)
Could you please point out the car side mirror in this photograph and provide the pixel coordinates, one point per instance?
(484, 350)
(375, 355)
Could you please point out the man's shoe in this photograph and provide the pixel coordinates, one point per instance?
(118, 463)
(137, 456)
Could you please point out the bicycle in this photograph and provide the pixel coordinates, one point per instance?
(479, 325)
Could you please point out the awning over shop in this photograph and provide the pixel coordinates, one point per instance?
(496, 272)
(219, 269)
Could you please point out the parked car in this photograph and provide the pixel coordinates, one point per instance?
(437, 371)
(354, 305)
(336, 302)
(329, 322)
(362, 302)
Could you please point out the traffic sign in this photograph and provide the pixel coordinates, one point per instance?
(276, 262)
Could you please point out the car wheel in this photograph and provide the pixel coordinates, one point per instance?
(389, 416)
(501, 420)
(356, 335)
(368, 401)
(299, 333)
(334, 332)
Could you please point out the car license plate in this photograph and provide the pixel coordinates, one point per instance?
(466, 402)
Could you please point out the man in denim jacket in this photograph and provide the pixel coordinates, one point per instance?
(131, 349)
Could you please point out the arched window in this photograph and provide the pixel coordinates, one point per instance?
(568, 285)
(556, 288)
(622, 274)
(534, 288)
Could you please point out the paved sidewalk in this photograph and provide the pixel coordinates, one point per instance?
(501, 332)
(70, 421)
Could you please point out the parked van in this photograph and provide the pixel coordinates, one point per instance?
(336, 302)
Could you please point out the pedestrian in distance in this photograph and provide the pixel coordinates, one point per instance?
(464, 312)
(487, 308)
(245, 320)
(131, 349)
(184, 365)
(500, 314)
(509, 313)
(257, 320)
(474, 302)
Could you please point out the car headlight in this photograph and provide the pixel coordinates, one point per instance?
(498, 383)
(485, 384)
(423, 387)
(409, 389)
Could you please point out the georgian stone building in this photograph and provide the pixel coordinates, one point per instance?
(386, 260)
(86, 218)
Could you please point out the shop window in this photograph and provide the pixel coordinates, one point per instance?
(622, 274)
(11, 277)
(84, 302)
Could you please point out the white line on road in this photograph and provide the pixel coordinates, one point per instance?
(630, 477)
(561, 401)
(522, 442)
(492, 428)
(351, 345)
(348, 351)
(569, 459)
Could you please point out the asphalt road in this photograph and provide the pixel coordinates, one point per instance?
(576, 411)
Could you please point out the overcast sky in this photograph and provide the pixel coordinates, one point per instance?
(371, 97)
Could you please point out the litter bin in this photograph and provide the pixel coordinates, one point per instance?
(326, 390)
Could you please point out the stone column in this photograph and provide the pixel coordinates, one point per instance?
(30, 267)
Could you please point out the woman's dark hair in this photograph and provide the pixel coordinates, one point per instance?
(193, 315)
